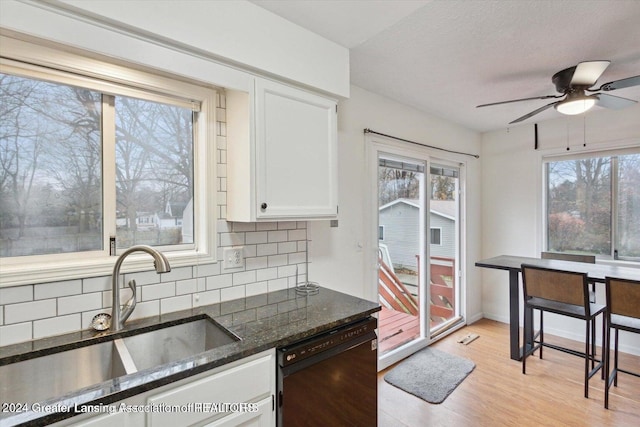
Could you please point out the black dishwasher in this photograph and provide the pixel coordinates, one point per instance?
(330, 379)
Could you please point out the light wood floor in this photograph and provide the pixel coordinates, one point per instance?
(496, 393)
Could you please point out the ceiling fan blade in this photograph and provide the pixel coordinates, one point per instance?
(614, 102)
(518, 100)
(534, 112)
(587, 73)
(619, 84)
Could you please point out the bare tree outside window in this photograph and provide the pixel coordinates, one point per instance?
(154, 172)
(50, 160)
(51, 169)
(580, 205)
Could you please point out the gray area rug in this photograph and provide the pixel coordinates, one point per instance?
(430, 374)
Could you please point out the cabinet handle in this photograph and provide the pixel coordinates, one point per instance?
(263, 206)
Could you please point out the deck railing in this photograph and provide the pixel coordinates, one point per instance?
(394, 294)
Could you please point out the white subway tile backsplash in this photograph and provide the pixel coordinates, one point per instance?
(168, 305)
(223, 226)
(267, 249)
(222, 172)
(298, 234)
(26, 311)
(79, 303)
(146, 309)
(222, 197)
(277, 260)
(297, 257)
(278, 284)
(277, 236)
(287, 247)
(202, 284)
(231, 239)
(267, 274)
(256, 288)
(288, 270)
(256, 237)
(16, 294)
(206, 298)
(244, 227)
(203, 270)
(189, 286)
(244, 277)
(256, 263)
(234, 292)
(222, 142)
(287, 225)
(266, 226)
(221, 114)
(221, 281)
(180, 273)
(250, 251)
(96, 284)
(57, 325)
(57, 289)
(16, 333)
(162, 290)
(142, 278)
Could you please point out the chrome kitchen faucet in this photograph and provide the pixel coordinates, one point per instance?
(160, 262)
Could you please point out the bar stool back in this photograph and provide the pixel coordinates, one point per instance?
(623, 314)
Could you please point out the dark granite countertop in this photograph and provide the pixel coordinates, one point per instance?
(265, 321)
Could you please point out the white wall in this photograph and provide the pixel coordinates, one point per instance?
(340, 257)
(236, 32)
(512, 196)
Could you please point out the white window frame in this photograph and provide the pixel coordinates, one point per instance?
(599, 150)
(111, 78)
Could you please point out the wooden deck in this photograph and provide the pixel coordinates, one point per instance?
(396, 328)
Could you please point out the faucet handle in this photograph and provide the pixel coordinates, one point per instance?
(130, 304)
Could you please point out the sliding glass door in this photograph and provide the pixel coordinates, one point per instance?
(444, 238)
(418, 223)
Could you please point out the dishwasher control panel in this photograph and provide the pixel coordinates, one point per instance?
(325, 341)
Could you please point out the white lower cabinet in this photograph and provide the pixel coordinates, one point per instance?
(262, 417)
(240, 393)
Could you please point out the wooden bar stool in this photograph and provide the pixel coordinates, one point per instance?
(565, 293)
(623, 314)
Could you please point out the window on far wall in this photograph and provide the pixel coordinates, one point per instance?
(436, 236)
(593, 205)
(84, 159)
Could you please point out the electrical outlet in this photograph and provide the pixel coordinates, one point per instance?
(233, 257)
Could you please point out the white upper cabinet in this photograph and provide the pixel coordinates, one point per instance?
(282, 165)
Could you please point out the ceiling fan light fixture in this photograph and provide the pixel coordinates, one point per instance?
(573, 106)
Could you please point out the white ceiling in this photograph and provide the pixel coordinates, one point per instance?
(445, 57)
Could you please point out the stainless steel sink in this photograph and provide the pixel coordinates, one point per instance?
(37, 379)
(166, 345)
(53, 375)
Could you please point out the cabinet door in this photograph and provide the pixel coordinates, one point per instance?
(296, 159)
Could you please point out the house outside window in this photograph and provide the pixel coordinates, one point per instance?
(435, 236)
(85, 158)
(593, 205)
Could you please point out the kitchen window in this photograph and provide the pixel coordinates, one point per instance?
(93, 162)
(593, 205)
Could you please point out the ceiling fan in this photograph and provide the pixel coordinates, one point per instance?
(573, 83)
